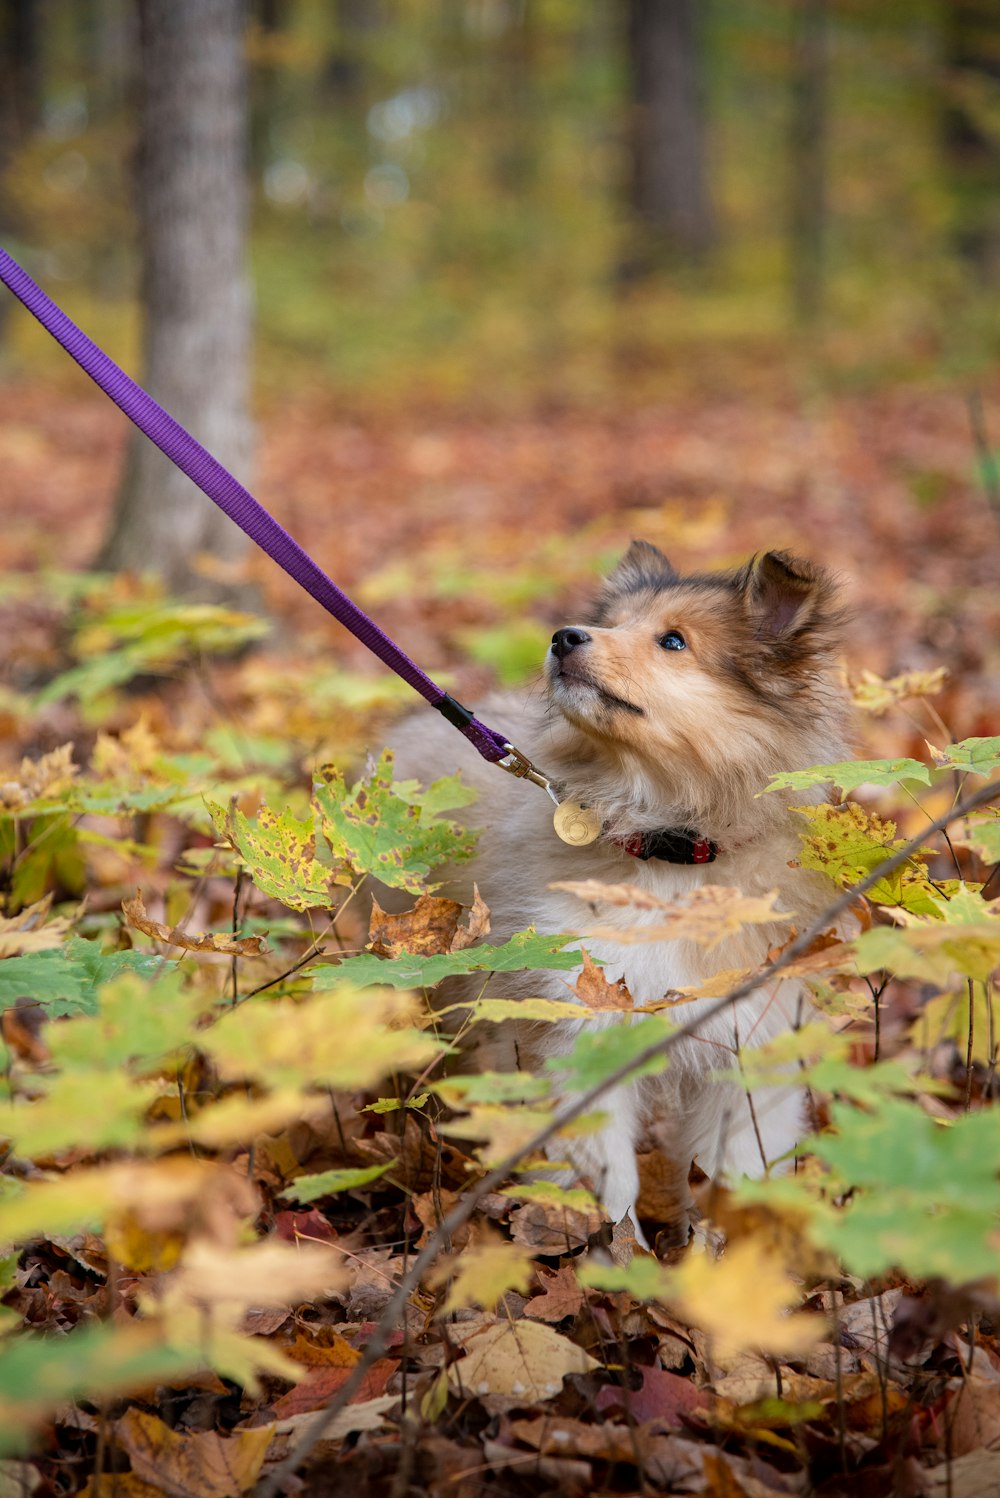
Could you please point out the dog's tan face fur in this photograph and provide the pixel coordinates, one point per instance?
(722, 672)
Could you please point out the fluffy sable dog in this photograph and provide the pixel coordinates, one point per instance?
(666, 711)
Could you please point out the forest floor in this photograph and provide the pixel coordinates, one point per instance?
(475, 536)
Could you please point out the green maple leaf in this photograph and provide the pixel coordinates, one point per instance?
(66, 979)
(394, 832)
(849, 774)
(963, 937)
(525, 951)
(926, 1194)
(975, 756)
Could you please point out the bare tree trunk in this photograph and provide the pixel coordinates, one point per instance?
(807, 220)
(192, 198)
(669, 172)
(971, 138)
(20, 95)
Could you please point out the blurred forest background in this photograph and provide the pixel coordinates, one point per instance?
(491, 272)
(470, 198)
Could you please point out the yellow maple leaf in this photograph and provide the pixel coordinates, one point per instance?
(743, 1300)
(484, 1272)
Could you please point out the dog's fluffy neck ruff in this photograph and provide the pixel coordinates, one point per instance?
(630, 795)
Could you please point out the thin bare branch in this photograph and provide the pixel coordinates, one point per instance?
(463, 1209)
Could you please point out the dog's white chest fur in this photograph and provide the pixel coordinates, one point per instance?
(668, 712)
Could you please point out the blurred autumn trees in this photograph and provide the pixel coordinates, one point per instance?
(510, 197)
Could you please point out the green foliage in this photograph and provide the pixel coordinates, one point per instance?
(849, 774)
(926, 1195)
(393, 831)
(598, 1053)
(66, 979)
(311, 1188)
(529, 950)
(116, 643)
(976, 756)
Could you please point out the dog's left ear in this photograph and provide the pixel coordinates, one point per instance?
(788, 599)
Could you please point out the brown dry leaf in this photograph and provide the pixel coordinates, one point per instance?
(431, 927)
(551, 1227)
(427, 929)
(521, 1361)
(826, 953)
(706, 915)
(562, 1295)
(974, 1414)
(327, 1349)
(368, 1414)
(235, 946)
(315, 1391)
(476, 927)
(976, 1475)
(199, 1465)
(594, 990)
(422, 1161)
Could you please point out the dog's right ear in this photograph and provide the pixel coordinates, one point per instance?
(643, 566)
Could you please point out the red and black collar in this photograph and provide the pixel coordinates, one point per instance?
(672, 844)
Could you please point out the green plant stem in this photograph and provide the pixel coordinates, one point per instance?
(464, 1208)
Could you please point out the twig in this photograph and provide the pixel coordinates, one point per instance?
(464, 1208)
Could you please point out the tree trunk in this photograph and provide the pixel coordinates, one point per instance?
(20, 97)
(808, 157)
(192, 200)
(670, 193)
(971, 138)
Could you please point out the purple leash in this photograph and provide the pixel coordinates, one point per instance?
(251, 517)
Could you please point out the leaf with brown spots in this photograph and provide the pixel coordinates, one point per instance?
(137, 916)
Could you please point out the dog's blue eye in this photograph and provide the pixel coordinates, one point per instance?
(673, 640)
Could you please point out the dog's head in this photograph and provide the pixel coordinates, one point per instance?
(714, 667)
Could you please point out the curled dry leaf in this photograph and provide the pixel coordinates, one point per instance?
(594, 990)
(137, 916)
(706, 915)
(430, 928)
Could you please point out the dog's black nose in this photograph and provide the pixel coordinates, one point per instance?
(565, 640)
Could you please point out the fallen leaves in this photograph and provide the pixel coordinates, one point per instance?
(515, 1363)
(707, 914)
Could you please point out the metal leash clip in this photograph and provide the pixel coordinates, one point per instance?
(516, 763)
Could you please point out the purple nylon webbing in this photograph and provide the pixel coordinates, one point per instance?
(230, 495)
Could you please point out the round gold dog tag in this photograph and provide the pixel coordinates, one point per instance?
(576, 824)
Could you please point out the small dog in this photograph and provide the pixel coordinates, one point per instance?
(666, 712)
